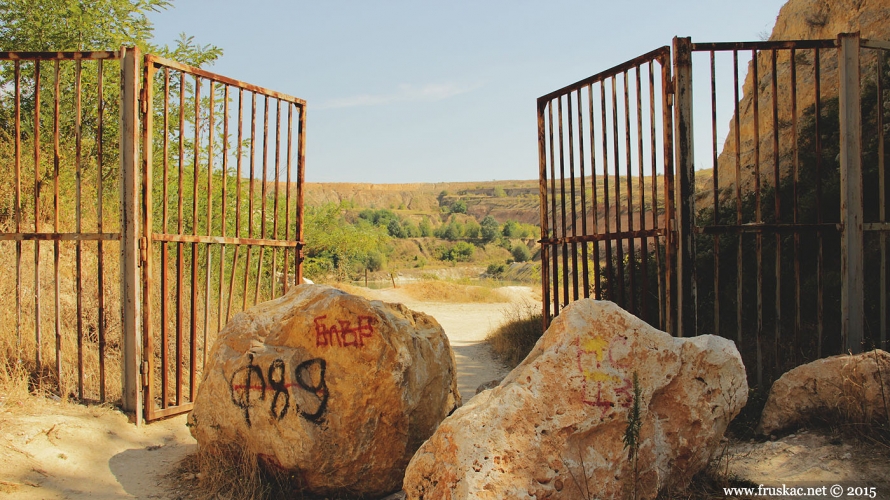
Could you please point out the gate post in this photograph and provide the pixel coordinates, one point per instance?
(685, 188)
(852, 279)
(130, 303)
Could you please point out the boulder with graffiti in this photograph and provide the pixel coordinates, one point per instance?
(335, 391)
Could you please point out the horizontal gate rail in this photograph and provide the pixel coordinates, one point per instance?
(223, 167)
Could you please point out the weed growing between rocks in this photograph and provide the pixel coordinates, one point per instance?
(632, 436)
(515, 338)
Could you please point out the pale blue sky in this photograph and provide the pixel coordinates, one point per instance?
(420, 91)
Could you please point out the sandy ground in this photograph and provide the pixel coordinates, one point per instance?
(51, 450)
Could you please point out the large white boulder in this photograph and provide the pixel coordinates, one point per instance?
(336, 390)
(554, 428)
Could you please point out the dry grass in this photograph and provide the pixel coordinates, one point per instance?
(446, 291)
(228, 472)
(515, 338)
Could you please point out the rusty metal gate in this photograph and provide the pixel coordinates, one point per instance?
(782, 230)
(154, 242)
(606, 171)
(59, 201)
(222, 216)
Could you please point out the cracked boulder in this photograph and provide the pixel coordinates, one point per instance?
(555, 426)
(333, 390)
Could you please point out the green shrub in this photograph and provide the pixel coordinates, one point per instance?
(521, 253)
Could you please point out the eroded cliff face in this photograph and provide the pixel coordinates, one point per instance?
(797, 20)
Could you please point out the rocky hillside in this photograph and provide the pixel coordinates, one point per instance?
(503, 200)
(797, 20)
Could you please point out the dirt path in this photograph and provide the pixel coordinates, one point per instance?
(466, 326)
(53, 450)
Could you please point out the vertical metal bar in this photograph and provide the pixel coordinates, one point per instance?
(130, 300)
(758, 219)
(796, 173)
(597, 279)
(778, 215)
(686, 296)
(819, 255)
(715, 191)
(545, 229)
(852, 279)
(554, 258)
(57, 229)
(738, 198)
(562, 202)
(573, 195)
(275, 201)
(78, 193)
(668, 93)
(37, 320)
(193, 318)
(644, 241)
(147, 230)
(238, 156)
(250, 196)
(290, 120)
(259, 269)
(606, 208)
(100, 195)
(225, 202)
(17, 75)
(654, 202)
(207, 248)
(165, 307)
(180, 230)
(882, 202)
(301, 173)
(631, 307)
(584, 266)
(617, 164)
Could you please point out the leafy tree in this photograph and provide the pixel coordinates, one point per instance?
(395, 228)
(426, 229)
(53, 25)
(458, 207)
(460, 252)
(499, 192)
(471, 229)
(521, 253)
(489, 229)
(511, 229)
(333, 244)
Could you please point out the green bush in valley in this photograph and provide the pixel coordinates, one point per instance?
(489, 229)
(521, 253)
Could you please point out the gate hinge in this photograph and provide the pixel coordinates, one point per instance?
(145, 369)
(143, 250)
(143, 100)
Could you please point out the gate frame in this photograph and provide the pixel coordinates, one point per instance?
(681, 229)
